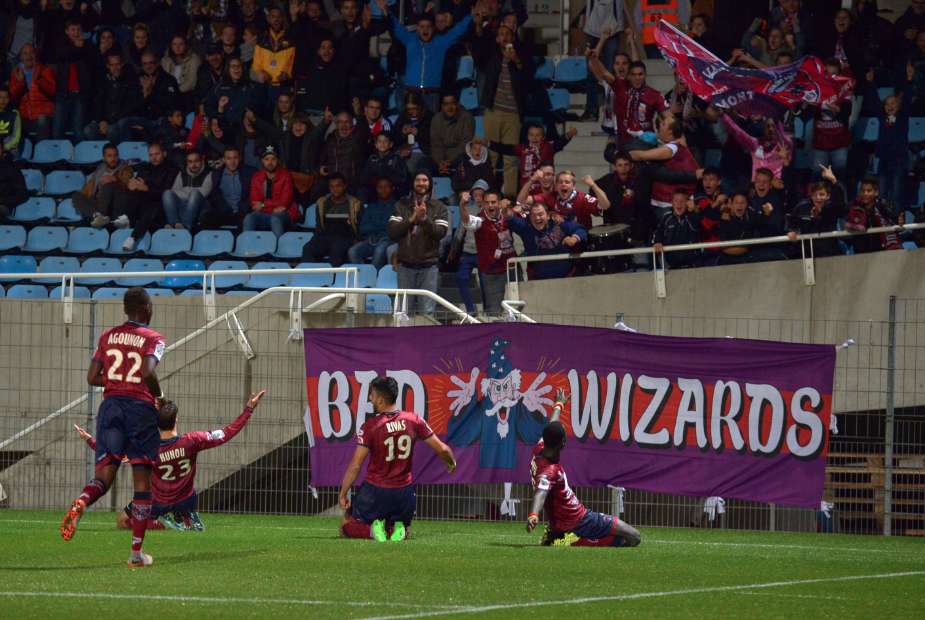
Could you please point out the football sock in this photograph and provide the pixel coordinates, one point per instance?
(94, 490)
(141, 512)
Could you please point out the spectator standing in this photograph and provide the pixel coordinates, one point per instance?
(187, 196)
(531, 155)
(831, 130)
(272, 196)
(574, 205)
(868, 211)
(473, 165)
(773, 152)
(819, 213)
(542, 237)
(336, 231)
(463, 251)
(74, 80)
(274, 55)
(345, 149)
(892, 148)
(494, 246)
(33, 87)
(322, 86)
(450, 131)
(680, 226)
(183, 64)
(619, 187)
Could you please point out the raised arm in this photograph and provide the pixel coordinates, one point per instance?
(213, 439)
(598, 69)
(747, 142)
(602, 200)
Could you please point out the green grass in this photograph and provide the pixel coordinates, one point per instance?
(250, 566)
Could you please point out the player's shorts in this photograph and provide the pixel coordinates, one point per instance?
(595, 525)
(126, 427)
(373, 502)
(159, 510)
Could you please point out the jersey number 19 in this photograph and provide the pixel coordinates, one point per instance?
(403, 445)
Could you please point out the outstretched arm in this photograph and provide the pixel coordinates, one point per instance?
(350, 476)
(443, 451)
(213, 439)
(562, 397)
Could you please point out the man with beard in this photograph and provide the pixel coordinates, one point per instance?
(494, 246)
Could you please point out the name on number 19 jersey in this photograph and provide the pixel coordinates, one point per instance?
(121, 351)
(390, 438)
(563, 508)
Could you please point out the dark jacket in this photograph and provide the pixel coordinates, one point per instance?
(12, 186)
(488, 58)
(84, 59)
(390, 166)
(307, 157)
(217, 199)
(545, 242)
(803, 221)
(157, 178)
(346, 155)
(206, 82)
(422, 123)
(241, 96)
(322, 86)
(418, 243)
(117, 98)
(164, 96)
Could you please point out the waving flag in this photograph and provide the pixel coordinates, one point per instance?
(750, 91)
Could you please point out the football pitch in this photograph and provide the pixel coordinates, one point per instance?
(256, 566)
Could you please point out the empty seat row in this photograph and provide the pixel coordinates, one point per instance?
(86, 153)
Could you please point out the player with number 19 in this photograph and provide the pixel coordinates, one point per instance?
(386, 500)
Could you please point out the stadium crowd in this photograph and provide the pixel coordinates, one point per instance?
(275, 116)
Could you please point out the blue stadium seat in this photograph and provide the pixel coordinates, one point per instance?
(910, 245)
(254, 243)
(191, 292)
(118, 237)
(241, 293)
(87, 240)
(36, 209)
(109, 293)
(558, 99)
(454, 216)
(52, 151)
(14, 263)
(80, 292)
(229, 265)
(160, 292)
(2, 292)
(799, 128)
(480, 126)
(378, 303)
(133, 150)
(874, 165)
(12, 238)
(311, 217)
(571, 69)
(867, 129)
(170, 241)
(291, 243)
(713, 157)
(34, 179)
(66, 213)
(27, 291)
(57, 264)
(188, 122)
(140, 264)
(393, 101)
(387, 278)
(261, 282)
(313, 279)
(46, 239)
(99, 265)
(366, 276)
(88, 152)
(25, 152)
(885, 92)
(469, 98)
(921, 200)
(917, 129)
(545, 70)
(466, 70)
(443, 188)
(63, 182)
(183, 281)
(212, 243)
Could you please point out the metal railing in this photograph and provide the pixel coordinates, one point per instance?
(805, 241)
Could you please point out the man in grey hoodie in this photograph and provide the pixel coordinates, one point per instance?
(185, 199)
(94, 201)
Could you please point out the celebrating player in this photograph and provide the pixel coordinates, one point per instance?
(570, 523)
(175, 471)
(386, 500)
(126, 426)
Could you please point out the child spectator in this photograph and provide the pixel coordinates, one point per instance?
(869, 211)
(819, 213)
(537, 150)
(373, 222)
(772, 151)
(473, 166)
(680, 226)
(892, 148)
(384, 163)
(709, 203)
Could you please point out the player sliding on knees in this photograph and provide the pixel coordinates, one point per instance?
(385, 504)
(175, 469)
(570, 523)
(126, 426)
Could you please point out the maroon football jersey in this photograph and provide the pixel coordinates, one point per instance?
(390, 438)
(563, 508)
(121, 351)
(579, 207)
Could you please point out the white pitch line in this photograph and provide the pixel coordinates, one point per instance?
(779, 595)
(641, 595)
(766, 545)
(213, 600)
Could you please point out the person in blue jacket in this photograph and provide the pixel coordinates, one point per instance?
(543, 236)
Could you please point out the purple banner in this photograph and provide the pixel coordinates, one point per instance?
(736, 418)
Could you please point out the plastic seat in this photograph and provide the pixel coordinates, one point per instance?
(88, 152)
(366, 276)
(65, 213)
(921, 200)
(160, 292)
(133, 150)
(170, 241)
(254, 243)
(571, 69)
(191, 292)
(917, 129)
(545, 70)
(12, 237)
(99, 265)
(377, 303)
(480, 126)
(261, 282)
(387, 278)
(34, 179)
(469, 98)
(189, 120)
(140, 264)
(455, 216)
(80, 292)
(36, 209)
(885, 92)
(63, 182)
(466, 70)
(27, 291)
(291, 243)
(313, 279)
(867, 129)
(15, 263)
(311, 217)
(87, 240)
(52, 151)
(57, 264)
(46, 239)
(241, 293)
(443, 188)
(118, 237)
(559, 99)
(25, 152)
(182, 281)
(212, 243)
(109, 293)
(229, 265)
(910, 245)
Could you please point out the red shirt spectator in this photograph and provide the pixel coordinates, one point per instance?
(274, 193)
(32, 86)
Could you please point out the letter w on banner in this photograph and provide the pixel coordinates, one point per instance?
(735, 418)
(768, 91)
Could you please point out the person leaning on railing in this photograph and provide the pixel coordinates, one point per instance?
(542, 236)
(819, 213)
